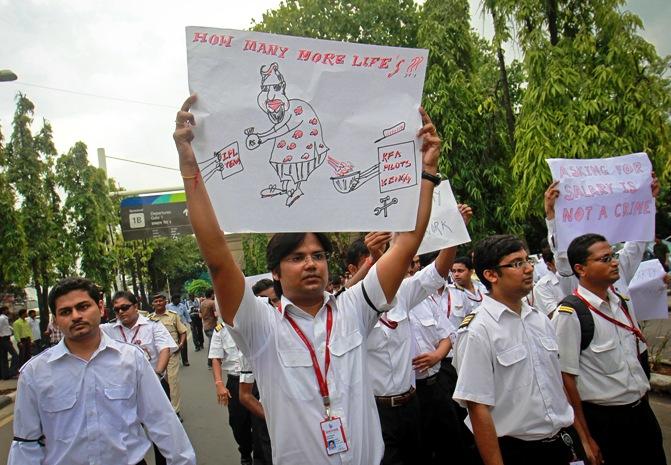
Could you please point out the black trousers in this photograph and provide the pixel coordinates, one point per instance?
(24, 351)
(184, 352)
(158, 457)
(263, 453)
(197, 331)
(7, 348)
(441, 431)
(626, 434)
(239, 418)
(401, 433)
(546, 452)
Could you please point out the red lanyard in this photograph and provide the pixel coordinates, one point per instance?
(449, 301)
(637, 332)
(321, 379)
(389, 323)
(132, 339)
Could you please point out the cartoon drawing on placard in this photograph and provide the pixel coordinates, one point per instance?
(347, 179)
(400, 127)
(296, 134)
(226, 162)
(386, 203)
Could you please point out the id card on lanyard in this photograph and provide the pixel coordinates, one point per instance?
(333, 432)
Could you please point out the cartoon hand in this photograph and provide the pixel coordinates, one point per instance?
(249, 131)
(253, 141)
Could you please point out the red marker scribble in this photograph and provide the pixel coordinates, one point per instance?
(309, 146)
(305, 156)
(281, 144)
(313, 121)
(291, 146)
(314, 132)
(287, 159)
(414, 64)
(341, 168)
(297, 134)
(398, 67)
(298, 110)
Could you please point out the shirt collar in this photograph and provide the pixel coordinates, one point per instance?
(141, 320)
(288, 305)
(597, 301)
(496, 308)
(60, 350)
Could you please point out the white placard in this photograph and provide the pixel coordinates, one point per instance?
(446, 227)
(648, 292)
(297, 134)
(607, 196)
(251, 280)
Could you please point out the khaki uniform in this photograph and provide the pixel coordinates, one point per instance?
(175, 327)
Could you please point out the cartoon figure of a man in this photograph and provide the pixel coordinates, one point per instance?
(296, 133)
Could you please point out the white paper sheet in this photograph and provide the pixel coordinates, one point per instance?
(297, 134)
(648, 291)
(607, 196)
(446, 227)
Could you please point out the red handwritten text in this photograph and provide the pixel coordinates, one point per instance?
(212, 39)
(264, 48)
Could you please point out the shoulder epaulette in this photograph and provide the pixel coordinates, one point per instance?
(565, 309)
(153, 317)
(172, 311)
(219, 327)
(467, 320)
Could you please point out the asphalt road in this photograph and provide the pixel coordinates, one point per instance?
(207, 423)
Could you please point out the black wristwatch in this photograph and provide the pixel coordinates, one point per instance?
(434, 178)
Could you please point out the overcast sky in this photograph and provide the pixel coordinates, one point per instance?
(133, 54)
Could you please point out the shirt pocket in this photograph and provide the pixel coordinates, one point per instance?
(607, 358)
(60, 416)
(300, 381)
(119, 400)
(347, 357)
(513, 367)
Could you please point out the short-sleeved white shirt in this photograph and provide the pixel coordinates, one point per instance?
(223, 347)
(429, 327)
(246, 371)
(286, 379)
(511, 363)
(151, 336)
(390, 351)
(547, 293)
(460, 302)
(608, 371)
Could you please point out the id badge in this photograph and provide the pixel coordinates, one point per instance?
(333, 432)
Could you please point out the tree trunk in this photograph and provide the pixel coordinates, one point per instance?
(507, 103)
(551, 17)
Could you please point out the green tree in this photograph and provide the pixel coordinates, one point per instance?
(173, 262)
(254, 252)
(595, 89)
(13, 253)
(197, 287)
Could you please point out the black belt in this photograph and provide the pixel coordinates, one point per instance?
(616, 407)
(429, 381)
(234, 376)
(396, 401)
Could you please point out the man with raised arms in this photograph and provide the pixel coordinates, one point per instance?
(309, 356)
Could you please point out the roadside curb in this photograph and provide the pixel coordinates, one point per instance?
(7, 399)
(660, 384)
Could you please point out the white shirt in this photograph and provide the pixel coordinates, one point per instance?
(246, 371)
(222, 346)
(511, 363)
(35, 328)
(459, 302)
(390, 351)
(5, 327)
(286, 378)
(429, 326)
(608, 371)
(151, 336)
(92, 413)
(547, 293)
(629, 259)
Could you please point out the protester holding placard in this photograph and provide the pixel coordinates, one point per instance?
(547, 291)
(309, 355)
(601, 352)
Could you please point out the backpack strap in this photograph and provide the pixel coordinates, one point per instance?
(571, 302)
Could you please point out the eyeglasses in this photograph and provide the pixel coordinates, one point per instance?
(517, 264)
(122, 308)
(607, 258)
(317, 257)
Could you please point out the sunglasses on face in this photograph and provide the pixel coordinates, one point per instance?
(122, 308)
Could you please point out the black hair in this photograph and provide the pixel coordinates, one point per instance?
(427, 258)
(489, 252)
(355, 252)
(4, 309)
(67, 285)
(129, 296)
(464, 260)
(578, 252)
(282, 245)
(175, 297)
(548, 256)
(209, 293)
(262, 285)
(23, 311)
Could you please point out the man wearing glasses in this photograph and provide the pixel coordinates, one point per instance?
(150, 336)
(506, 357)
(605, 377)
